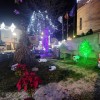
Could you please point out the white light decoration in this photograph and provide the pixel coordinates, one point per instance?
(63, 40)
(88, 1)
(74, 36)
(78, 0)
(2, 26)
(59, 44)
(69, 38)
(14, 34)
(39, 22)
(46, 16)
(41, 37)
(42, 33)
(12, 27)
(52, 46)
(40, 42)
(44, 49)
(46, 11)
(49, 39)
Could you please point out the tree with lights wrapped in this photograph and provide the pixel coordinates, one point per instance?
(39, 22)
(42, 26)
(85, 49)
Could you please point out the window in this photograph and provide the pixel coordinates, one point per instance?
(80, 23)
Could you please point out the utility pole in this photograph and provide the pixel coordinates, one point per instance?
(67, 28)
(62, 29)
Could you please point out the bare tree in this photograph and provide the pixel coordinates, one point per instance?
(23, 54)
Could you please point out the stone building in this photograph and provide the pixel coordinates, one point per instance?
(88, 16)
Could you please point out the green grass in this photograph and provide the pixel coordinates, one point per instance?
(7, 78)
(85, 71)
(68, 72)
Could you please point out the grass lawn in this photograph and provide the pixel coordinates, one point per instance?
(82, 79)
(7, 79)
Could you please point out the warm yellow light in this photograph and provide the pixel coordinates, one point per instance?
(74, 36)
(69, 38)
(14, 34)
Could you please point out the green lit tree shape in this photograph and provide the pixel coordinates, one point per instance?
(85, 49)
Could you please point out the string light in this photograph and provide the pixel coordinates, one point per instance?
(12, 27)
(2, 26)
(41, 21)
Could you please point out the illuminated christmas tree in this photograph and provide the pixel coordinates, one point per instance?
(41, 25)
(39, 22)
(85, 49)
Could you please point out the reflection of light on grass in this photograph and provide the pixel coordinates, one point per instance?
(88, 63)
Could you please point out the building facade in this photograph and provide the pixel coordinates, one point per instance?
(10, 39)
(88, 16)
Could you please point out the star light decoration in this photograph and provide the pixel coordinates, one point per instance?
(39, 22)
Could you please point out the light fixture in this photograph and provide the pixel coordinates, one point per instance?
(41, 37)
(74, 36)
(42, 33)
(69, 38)
(2, 26)
(14, 34)
(12, 27)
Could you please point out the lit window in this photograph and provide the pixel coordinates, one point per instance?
(80, 23)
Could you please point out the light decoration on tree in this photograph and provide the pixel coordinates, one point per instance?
(85, 49)
(39, 22)
(41, 25)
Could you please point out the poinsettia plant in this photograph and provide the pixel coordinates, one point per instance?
(29, 82)
(20, 69)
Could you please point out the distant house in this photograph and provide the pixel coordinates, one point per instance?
(88, 16)
(10, 39)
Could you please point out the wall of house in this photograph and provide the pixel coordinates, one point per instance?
(90, 14)
(10, 40)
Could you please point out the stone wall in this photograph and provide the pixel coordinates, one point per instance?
(90, 14)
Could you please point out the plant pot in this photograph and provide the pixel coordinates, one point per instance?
(29, 98)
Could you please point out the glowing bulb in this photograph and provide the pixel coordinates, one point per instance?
(14, 34)
(69, 38)
(2, 26)
(78, 0)
(41, 37)
(46, 16)
(64, 40)
(12, 27)
(42, 33)
(44, 49)
(46, 11)
(59, 43)
(74, 36)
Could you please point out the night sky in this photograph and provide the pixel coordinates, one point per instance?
(8, 16)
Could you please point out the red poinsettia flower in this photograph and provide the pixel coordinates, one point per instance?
(19, 85)
(28, 81)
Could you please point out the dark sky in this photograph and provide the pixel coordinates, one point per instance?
(8, 16)
(6, 11)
